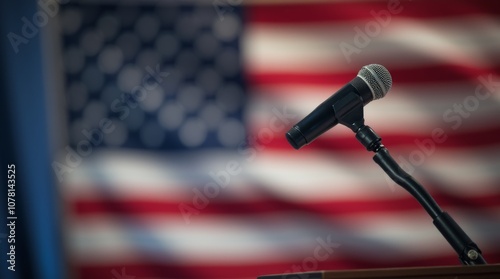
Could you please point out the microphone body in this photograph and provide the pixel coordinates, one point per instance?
(373, 82)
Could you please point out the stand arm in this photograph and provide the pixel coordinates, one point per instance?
(349, 112)
(402, 178)
(468, 252)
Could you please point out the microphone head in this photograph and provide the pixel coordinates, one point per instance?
(378, 79)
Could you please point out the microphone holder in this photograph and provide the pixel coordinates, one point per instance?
(350, 114)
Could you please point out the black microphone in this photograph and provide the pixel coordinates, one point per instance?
(372, 82)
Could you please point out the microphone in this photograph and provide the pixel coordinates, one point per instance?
(372, 82)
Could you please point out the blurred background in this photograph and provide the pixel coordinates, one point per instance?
(148, 136)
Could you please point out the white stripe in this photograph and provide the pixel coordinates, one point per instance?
(316, 48)
(121, 174)
(106, 239)
(416, 109)
(315, 176)
(305, 175)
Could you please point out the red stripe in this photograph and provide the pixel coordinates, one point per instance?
(172, 269)
(347, 11)
(488, 137)
(423, 74)
(138, 206)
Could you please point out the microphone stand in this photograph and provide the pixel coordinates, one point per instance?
(350, 113)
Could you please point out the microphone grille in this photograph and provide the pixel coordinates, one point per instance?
(378, 79)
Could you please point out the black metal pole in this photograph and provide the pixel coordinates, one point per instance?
(350, 114)
(468, 252)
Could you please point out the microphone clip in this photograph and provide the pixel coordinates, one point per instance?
(349, 111)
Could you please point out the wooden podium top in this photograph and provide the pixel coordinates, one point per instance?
(490, 271)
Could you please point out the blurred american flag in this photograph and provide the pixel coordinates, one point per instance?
(176, 114)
